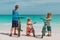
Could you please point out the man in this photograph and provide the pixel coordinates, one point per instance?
(14, 20)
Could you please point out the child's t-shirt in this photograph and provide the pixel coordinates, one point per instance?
(48, 22)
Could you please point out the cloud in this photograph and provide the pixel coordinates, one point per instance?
(30, 6)
(34, 2)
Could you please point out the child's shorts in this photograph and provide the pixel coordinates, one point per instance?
(48, 28)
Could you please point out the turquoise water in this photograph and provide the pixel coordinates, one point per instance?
(34, 18)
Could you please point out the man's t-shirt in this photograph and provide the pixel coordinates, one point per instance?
(15, 15)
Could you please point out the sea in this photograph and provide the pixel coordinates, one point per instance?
(34, 18)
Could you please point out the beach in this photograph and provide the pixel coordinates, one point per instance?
(5, 30)
(39, 13)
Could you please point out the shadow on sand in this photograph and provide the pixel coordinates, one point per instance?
(5, 34)
(37, 36)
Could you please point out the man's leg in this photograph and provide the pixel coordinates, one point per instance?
(11, 31)
(15, 31)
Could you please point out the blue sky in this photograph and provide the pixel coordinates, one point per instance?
(30, 7)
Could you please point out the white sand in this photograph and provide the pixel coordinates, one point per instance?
(5, 30)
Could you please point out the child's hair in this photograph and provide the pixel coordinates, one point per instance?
(48, 15)
(28, 19)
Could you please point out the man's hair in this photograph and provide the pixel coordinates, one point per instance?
(16, 6)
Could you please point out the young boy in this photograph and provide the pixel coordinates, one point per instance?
(30, 28)
(44, 28)
(48, 24)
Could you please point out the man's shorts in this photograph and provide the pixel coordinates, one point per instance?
(14, 23)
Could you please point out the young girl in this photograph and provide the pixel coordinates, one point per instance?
(29, 28)
(48, 24)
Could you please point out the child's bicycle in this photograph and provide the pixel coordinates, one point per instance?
(44, 27)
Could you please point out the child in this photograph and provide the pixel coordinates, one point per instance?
(29, 28)
(44, 28)
(48, 24)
